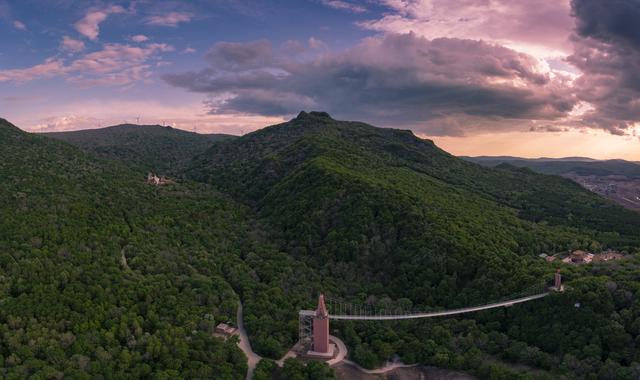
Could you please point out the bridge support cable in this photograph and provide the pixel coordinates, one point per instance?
(340, 310)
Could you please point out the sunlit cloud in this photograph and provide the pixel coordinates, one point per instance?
(49, 68)
(71, 44)
(89, 26)
(114, 65)
(513, 23)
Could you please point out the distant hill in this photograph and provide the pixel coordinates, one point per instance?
(153, 147)
(618, 180)
(561, 166)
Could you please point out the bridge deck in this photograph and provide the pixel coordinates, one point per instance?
(432, 313)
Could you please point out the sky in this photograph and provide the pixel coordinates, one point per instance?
(551, 78)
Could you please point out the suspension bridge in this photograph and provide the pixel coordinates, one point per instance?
(314, 324)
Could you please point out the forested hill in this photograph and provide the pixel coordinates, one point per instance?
(101, 275)
(276, 161)
(152, 147)
(387, 218)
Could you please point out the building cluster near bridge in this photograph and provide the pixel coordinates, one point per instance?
(579, 257)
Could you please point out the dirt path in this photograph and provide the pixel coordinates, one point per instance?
(123, 260)
(346, 371)
(244, 344)
(388, 367)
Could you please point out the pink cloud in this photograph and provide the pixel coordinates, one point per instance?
(515, 23)
(115, 64)
(139, 38)
(169, 19)
(89, 26)
(51, 67)
(19, 25)
(71, 44)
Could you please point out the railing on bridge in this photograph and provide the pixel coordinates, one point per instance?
(331, 308)
(341, 310)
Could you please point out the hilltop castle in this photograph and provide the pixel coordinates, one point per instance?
(153, 179)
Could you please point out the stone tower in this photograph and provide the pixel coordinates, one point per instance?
(558, 281)
(321, 328)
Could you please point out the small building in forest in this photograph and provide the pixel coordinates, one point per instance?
(225, 329)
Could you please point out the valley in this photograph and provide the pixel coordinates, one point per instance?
(617, 180)
(620, 189)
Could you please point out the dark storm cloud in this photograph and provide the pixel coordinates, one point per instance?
(613, 21)
(607, 51)
(396, 79)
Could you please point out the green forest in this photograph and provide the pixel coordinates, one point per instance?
(105, 276)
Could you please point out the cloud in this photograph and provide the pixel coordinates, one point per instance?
(115, 64)
(49, 68)
(19, 25)
(315, 43)
(189, 50)
(607, 51)
(548, 128)
(71, 45)
(139, 38)
(89, 25)
(171, 19)
(391, 80)
(293, 47)
(240, 56)
(540, 28)
(343, 5)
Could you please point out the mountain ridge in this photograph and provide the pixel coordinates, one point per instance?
(154, 148)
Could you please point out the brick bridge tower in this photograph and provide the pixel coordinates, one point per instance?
(321, 329)
(558, 281)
